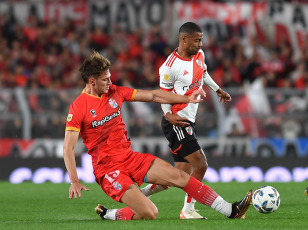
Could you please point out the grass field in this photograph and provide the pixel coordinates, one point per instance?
(46, 206)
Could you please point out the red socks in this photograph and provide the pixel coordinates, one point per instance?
(188, 199)
(200, 192)
(124, 214)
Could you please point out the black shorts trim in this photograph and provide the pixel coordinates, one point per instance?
(186, 149)
(182, 140)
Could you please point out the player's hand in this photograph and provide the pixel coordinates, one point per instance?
(177, 120)
(75, 190)
(195, 96)
(224, 97)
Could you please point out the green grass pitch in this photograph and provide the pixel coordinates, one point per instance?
(46, 206)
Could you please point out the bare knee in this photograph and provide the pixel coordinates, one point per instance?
(150, 214)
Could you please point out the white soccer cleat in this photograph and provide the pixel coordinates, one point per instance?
(191, 215)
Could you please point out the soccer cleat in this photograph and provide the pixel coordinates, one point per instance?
(240, 208)
(101, 211)
(191, 215)
(306, 191)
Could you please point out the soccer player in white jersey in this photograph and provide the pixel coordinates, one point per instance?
(183, 72)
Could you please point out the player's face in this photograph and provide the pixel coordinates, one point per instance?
(102, 83)
(194, 43)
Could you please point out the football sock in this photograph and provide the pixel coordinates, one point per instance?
(222, 206)
(207, 196)
(119, 214)
(189, 203)
(151, 189)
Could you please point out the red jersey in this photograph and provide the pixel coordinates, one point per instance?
(99, 121)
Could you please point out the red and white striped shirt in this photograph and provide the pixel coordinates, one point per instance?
(183, 77)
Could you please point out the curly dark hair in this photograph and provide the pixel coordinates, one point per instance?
(93, 66)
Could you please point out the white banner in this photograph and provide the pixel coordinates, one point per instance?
(130, 15)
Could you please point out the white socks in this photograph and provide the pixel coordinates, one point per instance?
(222, 206)
(189, 203)
(110, 214)
(151, 189)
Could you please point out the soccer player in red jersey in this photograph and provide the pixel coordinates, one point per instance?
(96, 115)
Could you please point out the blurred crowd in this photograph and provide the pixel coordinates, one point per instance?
(38, 56)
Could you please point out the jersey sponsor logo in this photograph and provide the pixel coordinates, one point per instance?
(196, 84)
(113, 103)
(185, 72)
(93, 112)
(166, 84)
(69, 117)
(166, 77)
(189, 130)
(106, 119)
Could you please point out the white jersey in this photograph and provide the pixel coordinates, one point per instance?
(183, 76)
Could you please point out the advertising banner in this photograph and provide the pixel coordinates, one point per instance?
(239, 159)
(224, 169)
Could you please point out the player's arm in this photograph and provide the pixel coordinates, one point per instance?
(70, 141)
(164, 97)
(174, 119)
(224, 97)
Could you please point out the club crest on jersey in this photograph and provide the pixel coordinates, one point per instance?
(69, 117)
(189, 130)
(199, 63)
(117, 186)
(113, 103)
(93, 112)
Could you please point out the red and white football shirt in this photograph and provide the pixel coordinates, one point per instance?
(183, 76)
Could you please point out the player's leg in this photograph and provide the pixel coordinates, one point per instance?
(195, 164)
(173, 136)
(198, 164)
(184, 166)
(142, 206)
(189, 157)
(138, 207)
(119, 185)
(163, 173)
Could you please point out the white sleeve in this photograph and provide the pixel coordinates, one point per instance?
(166, 83)
(166, 79)
(166, 108)
(209, 82)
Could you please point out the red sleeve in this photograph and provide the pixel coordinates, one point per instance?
(128, 94)
(75, 116)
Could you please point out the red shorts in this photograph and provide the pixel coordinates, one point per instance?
(115, 177)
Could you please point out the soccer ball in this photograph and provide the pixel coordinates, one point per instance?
(266, 199)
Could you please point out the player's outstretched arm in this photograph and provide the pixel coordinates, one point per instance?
(164, 97)
(224, 97)
(70, 141)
